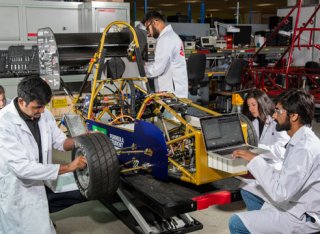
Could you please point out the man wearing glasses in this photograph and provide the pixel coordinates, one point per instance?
(169, 67)
(28, 134)
(291, 194)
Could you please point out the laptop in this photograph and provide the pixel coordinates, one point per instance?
(223, 135)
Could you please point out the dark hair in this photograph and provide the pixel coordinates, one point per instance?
(33, 88)
(153, 15)
(296, 101)
(2, 91)
(265, 104)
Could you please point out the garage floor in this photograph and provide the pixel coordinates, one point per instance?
(92, 217)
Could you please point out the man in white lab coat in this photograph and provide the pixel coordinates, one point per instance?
(28, 133)
(259, 108)
(169, 68)
(293, 201)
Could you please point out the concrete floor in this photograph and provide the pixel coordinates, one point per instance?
(92, 217)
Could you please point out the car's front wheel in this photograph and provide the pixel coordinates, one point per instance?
(101, 178)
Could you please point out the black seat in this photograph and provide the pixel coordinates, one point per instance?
(115, 68)
(229, 84)
(312, 67)
(196, 66)
(234, 72)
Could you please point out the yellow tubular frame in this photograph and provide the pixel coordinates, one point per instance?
(203, 174)
(97, 56)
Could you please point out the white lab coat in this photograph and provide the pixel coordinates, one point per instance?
(8, 101)
(273, 141)
(292, 191)
(169, 67)
(23, 200)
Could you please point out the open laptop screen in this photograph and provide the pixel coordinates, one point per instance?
(222, 131)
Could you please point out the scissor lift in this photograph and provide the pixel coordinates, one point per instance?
(147, 205)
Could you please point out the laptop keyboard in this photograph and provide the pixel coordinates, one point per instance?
(230, 150)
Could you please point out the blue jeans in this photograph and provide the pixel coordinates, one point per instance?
(252, 201)
(236, 225)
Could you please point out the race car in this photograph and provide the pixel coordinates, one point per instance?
(143, 132)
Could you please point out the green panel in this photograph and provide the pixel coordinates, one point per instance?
(99, 129)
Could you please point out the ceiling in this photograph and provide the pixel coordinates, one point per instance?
(225, 9)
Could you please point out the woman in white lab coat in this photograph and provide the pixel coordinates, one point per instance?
(259, 108)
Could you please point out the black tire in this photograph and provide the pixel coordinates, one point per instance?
(101, 178)
(252, 135)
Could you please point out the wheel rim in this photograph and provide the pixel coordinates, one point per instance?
(83, 174)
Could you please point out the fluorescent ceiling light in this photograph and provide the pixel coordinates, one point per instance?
(264, 4)
(235, 7)
(167, 4)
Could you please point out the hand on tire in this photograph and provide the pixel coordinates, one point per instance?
(78, 163)
(100, 177)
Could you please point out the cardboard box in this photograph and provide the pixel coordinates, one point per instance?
(60, 105)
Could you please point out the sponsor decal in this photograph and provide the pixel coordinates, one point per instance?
(117, 141)
(182, 51)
